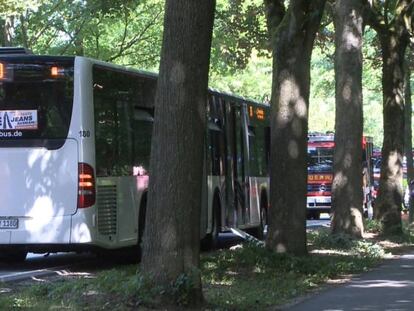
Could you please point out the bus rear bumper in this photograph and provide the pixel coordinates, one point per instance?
(44, 230)
(59, 230)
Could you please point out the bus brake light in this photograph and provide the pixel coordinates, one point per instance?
(56, 71)
(86, 187)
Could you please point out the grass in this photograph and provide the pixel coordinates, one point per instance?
(247, 277)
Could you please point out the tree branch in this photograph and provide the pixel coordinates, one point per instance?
(314, 14)
(49, 22)
(373, 17)
(134, 40)
(275, 12)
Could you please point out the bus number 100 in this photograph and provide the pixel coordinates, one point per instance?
(84, 134)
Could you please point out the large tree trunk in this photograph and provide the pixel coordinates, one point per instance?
(347, 195)
(292, 42)
(389, 201)
(172, 235)
(408, 145)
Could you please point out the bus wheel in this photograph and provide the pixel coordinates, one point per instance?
(141, 224)
(264, 220)
(258, 232)
(211, 241)
(13, 256)
(215, 242)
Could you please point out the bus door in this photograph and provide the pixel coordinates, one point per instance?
(239, 173)
(244, 133)
(230, 207)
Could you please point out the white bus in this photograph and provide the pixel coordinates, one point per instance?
(75, 137)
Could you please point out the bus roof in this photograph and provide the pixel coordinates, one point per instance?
(152, 75)
(31, 57)
(22, 54)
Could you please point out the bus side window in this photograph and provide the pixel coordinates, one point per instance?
(253, 155)
(142, 125)
(123, 134)
(259, 150)
(105, 123)
(112, 125)
(123, 165)
(216, 152)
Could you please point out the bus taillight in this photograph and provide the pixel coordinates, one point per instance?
(86, 187)
(57, 72)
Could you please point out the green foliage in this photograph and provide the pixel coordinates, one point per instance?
(125, 32)
(240, 30)
(228, 275)
(359, 248)
(326, 240)
(252, 82)
(372, 225)
(12, 8)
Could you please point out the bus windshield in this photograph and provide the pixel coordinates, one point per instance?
(36, 100)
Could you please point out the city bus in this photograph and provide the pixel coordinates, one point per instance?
(75, 137)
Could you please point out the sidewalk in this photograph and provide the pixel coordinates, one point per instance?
(387, 287)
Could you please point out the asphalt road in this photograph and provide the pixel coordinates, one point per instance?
(40, 265)
(388, 287)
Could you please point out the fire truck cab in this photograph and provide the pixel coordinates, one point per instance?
(320, 174)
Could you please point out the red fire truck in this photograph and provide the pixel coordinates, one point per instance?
(320, 173)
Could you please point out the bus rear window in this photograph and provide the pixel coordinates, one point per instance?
(36, 100)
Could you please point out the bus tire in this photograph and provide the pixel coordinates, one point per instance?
(264, 220)
(211, 241)
(258, 232)
(141, 223)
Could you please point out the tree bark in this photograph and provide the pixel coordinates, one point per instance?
(8, 31)
(172, 235)
(292, 34)
(390, 20)
(347, 187)
(389, 201)
(408, 146)
(23, 29)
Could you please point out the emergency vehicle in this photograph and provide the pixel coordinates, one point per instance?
(320, 173)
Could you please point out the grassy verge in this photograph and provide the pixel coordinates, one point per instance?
(244, 278)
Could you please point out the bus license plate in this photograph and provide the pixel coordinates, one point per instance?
(9, 223)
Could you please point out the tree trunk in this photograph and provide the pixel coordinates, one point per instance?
(347, 188)
(172, 235)
(292, 42)
(408, 146)
(8, 31)
(78, 43)
(23, 29)
(390, 196)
